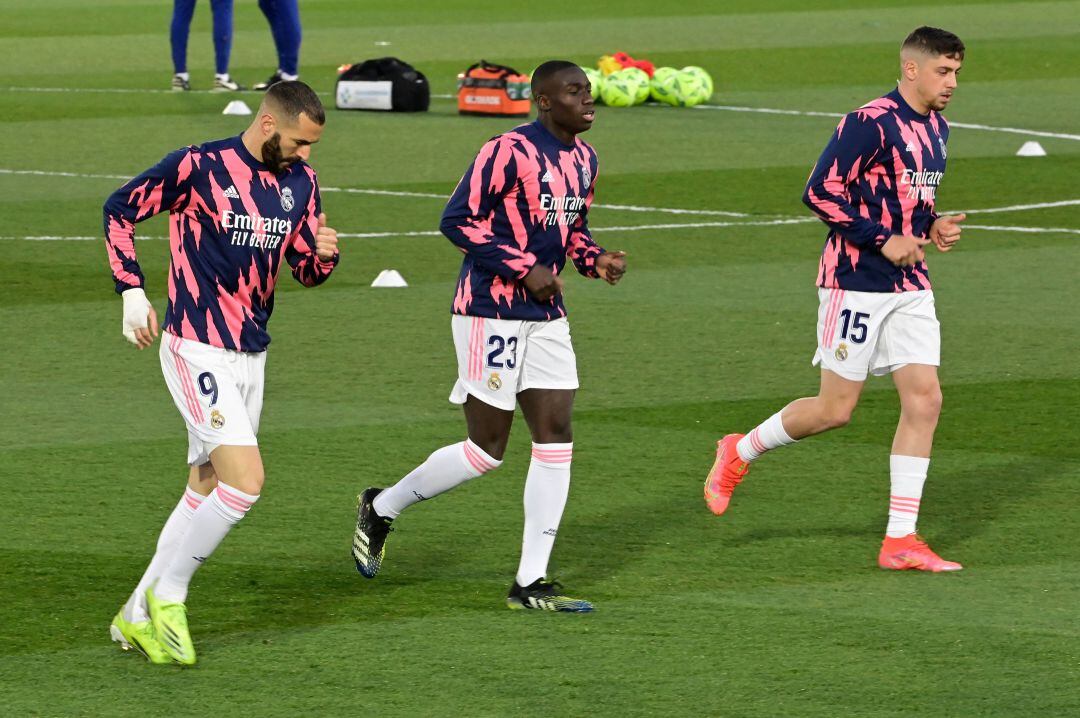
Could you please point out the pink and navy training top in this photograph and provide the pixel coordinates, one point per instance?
(522, 202)
(877, 177)
(231, 221)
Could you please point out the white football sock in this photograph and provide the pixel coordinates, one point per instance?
(221, 510)
(287, 77)
(770, 434)
(175, 528)
(546, 489)
(907, 474)
(223, 77)
(183, 75)
(444, 469)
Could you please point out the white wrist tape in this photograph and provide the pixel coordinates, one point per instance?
(136, 312)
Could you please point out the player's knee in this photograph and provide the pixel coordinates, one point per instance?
(925, 404)
(554, 432)
(250, 481)
(838, 415)
(933, 402)
(494, 445)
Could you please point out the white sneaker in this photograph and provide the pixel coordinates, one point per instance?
(224, 83)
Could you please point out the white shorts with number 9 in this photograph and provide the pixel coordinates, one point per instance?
(876, 332)
(219, 392)
(497, 358)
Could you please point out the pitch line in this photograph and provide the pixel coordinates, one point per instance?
(1026, 230)
(624, 228)
(964, 125)
(668, 210)
(384, 192)
(158, 90)
(618, 207)
(111, 90)
(628, 228)
(402, 193)
(1016, 207)
(727, 108)
(48, 173)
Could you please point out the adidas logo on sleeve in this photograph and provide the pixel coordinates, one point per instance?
(231, 193)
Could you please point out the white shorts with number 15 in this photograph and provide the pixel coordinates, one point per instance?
(497, 358)
(876, 332)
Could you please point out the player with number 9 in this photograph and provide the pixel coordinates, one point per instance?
(241, 208)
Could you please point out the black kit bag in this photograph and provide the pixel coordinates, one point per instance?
(383, 84)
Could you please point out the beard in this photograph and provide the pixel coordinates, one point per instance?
(273, 157)
(938, 104)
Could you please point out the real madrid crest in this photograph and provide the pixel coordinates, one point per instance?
(216, 419)
(287, 202)
(941, 143)
(494, 382)
(586, 177)
(841, 352)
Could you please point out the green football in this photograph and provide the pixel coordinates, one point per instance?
(641, 77)
(689, 90)
(662, 86)
(620, 90)
(705, 77)
(596, 80)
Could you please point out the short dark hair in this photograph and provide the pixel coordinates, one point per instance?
(934, 41)
(294, 97)
(543, 73)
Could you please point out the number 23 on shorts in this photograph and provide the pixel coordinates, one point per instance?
(502, 352)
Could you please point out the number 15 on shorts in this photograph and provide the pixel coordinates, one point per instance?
(853, 326)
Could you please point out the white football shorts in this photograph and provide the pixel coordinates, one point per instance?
(497, 358)
(862, 333)
(219, 392)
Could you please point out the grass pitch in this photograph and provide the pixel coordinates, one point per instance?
(776, 609)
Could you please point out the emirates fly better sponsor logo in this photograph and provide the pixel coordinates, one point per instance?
(921, 185)
(568, 207)
(247, 230)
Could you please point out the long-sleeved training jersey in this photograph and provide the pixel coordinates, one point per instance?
(231, 221)
(877, 177)
(522, 202)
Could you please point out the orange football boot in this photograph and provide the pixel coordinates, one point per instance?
(911, 552)
(727, 471)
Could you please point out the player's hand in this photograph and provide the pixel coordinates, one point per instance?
(140, 325)
(945, 231)
(611, 266)
(542, 283)
(904, 250)
(326, 247)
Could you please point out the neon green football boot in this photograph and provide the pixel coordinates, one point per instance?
(171, 628)
(139, 636)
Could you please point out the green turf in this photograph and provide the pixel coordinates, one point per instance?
(776, 609)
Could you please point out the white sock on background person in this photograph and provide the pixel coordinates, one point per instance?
(444, 469)
(546, 488)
